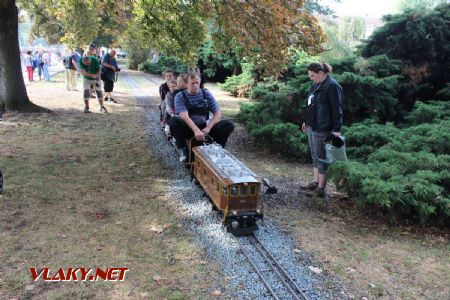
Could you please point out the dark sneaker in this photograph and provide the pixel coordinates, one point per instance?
(319, 192)
(86, 109)
(103, 109)
(112, 100)
(310, 186)
(106, 99)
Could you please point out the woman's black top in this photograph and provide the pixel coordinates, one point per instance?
(324, 106)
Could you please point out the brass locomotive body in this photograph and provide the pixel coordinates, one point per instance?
(232, 187)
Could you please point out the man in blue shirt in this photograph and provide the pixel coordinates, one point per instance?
(192, 108)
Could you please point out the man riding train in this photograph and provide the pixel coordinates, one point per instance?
(192, 108)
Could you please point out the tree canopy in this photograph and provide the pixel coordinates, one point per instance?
(262, 29)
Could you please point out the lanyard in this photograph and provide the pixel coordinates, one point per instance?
(311, 96)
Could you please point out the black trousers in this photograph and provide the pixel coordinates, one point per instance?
(181, 132)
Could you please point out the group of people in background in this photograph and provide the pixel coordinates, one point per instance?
(93, 65)
(95, 69)
(41, 61)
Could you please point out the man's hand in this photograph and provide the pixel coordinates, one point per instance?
(206, 130)
(199, 135)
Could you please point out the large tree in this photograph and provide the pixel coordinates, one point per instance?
(263, 30)
(13, 94)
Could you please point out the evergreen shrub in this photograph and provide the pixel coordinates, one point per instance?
(240, 85)
(164, 63)
(404, 172)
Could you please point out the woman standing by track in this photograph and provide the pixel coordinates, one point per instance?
(324, 111)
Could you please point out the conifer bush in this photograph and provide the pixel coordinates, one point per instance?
(404, 172)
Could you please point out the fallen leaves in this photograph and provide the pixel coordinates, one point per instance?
(315, 270)
(159, 280)
(156, 228)
(159, 228)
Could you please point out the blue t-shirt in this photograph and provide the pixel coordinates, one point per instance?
(109, 73)
(196, 100)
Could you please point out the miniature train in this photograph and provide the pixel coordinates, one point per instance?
(231, 186)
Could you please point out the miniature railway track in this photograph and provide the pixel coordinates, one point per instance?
(277, 281)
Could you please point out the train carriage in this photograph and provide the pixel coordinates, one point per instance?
(233, 188)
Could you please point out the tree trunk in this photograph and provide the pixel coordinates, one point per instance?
(13, 94)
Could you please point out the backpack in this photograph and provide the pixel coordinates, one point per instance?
(68, 62)
(35, 63)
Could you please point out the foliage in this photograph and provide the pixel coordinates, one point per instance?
(175, 28)
(405, 5)
(76, 22)
(163, 64)
(217, 64)
(137, 49)
(179, 28)
(342, 36)
(420, 39)
(240, 85)
(428, 112)
(404, 172)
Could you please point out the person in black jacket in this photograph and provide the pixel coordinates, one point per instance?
(324, 112)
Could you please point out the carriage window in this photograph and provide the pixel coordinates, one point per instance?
(244, 191)
(218, 187)
(212, 180)
(252, 190)
(234, 190)
(225, 190)
(204, 171)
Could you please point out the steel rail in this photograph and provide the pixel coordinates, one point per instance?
(293, 288)
(267, 285)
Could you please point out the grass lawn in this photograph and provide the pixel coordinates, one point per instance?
(82, 190)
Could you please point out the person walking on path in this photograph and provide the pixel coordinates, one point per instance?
(40, 63)
(29, 64)
(109, 69)
(69, 62)
(90, 69)
(46, 59)
(324, 115)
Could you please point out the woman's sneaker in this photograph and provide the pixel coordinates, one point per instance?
(310, 186)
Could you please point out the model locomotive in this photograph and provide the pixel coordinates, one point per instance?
(231, 186)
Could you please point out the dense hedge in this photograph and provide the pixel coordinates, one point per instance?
(399, 147)
(405, 171)
(164, 63)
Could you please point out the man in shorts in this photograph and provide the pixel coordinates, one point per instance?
(90, 69)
